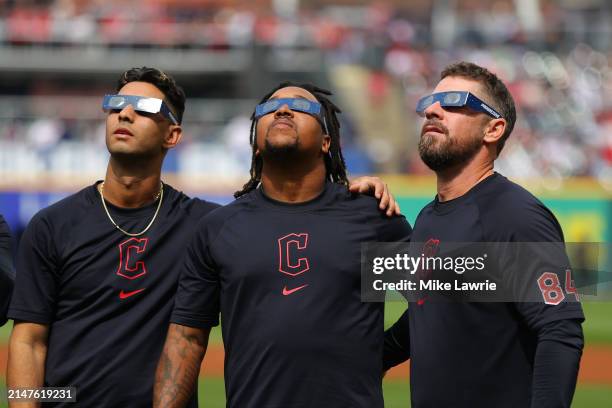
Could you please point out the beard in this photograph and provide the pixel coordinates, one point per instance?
(279, 148)
(441, 153)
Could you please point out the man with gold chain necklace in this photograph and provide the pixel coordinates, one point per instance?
(97, 271)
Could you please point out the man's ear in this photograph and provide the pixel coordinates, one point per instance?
(325, 145)
(494, 130)
(173, 137)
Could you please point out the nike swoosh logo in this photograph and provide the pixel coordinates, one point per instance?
(290, 291)
(125, 295)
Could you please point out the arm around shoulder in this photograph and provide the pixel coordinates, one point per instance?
(395, 229)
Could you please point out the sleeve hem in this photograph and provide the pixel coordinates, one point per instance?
(28, 316)
(200, 323)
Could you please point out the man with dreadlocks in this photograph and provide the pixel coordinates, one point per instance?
(282, 266)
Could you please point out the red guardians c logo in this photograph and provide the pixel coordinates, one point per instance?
(289, 248)
(129, 252)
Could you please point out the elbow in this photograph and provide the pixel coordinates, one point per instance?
(567, 332)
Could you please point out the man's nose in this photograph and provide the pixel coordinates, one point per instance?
(434, 110)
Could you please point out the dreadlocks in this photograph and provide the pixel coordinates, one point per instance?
(335, 167)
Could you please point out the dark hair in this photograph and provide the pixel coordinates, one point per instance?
(335, 167)
(496, 92)
(175, 96)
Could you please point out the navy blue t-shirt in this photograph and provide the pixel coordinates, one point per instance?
(106, 297)
(286, 280)
(478, 354)
(6, 269)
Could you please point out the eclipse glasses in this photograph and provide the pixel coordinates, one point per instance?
(456, 99)
(140, 104)
(295, 104)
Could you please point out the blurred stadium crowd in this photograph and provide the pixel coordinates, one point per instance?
(58, 58)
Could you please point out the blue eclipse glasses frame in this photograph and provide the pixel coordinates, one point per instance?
(140, 104)
(456, 99)
(295, 104)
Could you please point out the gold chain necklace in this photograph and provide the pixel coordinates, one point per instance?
(159, 195)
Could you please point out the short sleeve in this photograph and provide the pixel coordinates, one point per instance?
(197, 301)
(36, 281)
(6, 269)
(394, 229)
(542, 252)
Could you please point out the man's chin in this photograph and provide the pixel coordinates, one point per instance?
(281, 148)
(439, 160)
(119, 153)
(437, 163)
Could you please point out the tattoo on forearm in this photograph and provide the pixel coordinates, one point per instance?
(179, 365)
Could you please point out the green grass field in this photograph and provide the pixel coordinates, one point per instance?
(597, 328)
(397, 395)
(211, 395)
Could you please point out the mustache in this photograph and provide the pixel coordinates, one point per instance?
(285, 120)
(434, 123)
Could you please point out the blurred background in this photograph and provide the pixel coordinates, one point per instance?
(58, 57)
